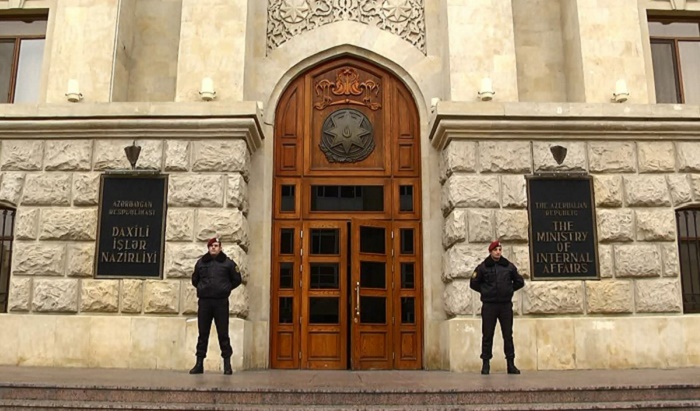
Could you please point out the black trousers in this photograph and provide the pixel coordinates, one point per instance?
(217, 310)
(503, 312)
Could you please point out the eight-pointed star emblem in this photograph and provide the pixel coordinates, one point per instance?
(347, 130)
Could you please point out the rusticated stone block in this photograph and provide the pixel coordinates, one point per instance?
(151, 156)
(180, 259)
(656, 157)
(458, 156)
(189, 299)
(514, 191)
(132, 296)
(26, 224)
(679, 186)
(658, 296)
(68, 155)
(612, 157)
(38, 258)
(55, 295)
(109, 155)
(11, 187)
(47, 189)
(20, 294)
(180, 225)
(560, 297)
(86, 189)
(239, 255)
(695, 185)
(481, 227)
(454, 230)
(512, 225)
(669, 258)
(575, 159)
(688, 156)
(229, 225)
(161, 297)
(21, 155)
(81, 258)
(505, 156)
(656, 225)
(615, 225)
(239, 302)
(177, 155)
(99, 296)
(68, 224)
(457, 298)
(609, 297)
(520, 256)
(221, 155)
(469, 191)
(608, 191)
(605, 261)
(461, 260)
(237, 193)
(195, 191)
(646, 191)
(637, 260)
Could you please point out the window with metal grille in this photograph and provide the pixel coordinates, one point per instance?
(7, 223)
(688, 222)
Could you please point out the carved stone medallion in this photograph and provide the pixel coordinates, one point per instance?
(347, 136)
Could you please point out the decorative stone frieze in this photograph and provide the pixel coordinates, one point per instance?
(520, 256)
(239, 302)
(177, 155)
(457, 298)
(656, 157)
(669, 258)
(514, 189)
(229, 225)
(99, 296)
(575, 156)
(21, 155)
(637, 260)
(658, 296)
(68, 224)
(470, 191)
(646, 191)
(86, 189)
(461, 260)
(237, 254)
(151, 156)
(195, 191)
(458, 156)
(512, 225)
(221, 156)
(180, 225)
(41, 259)
(612, 157)
(615, 225)
(189, 299)
(180, 259)
(81, 260)
(11, 187)
(505, 156)
(553, 297)
(68, 155)
(55, 295)
(161, 297)
(454, 230)
(47, 189)
(26, 223)
(605, 261)
(109, 155)
(481, 227)
(688, 156)
(20, 294)
(679, 186)
(132, 296)
(656, 225)
(237, 193)
(608, 190)
(609, 297)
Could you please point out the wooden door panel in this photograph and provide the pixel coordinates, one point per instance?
(408, 291)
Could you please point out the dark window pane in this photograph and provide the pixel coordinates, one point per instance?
(407, 275)
(324, 241)
(405, 198)
(287, 241)
(286, 310)
(406, 240)
(323, 310)
(286, 275)
(373, 310)
(288, 198)
(408, 310)
(372, 274)
(324, 275)
(347, 198)
(7, 49)
(372, 240)
(690, 70)
(665, 77)
(674, 29)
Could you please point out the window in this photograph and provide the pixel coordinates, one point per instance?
(21, 53)
(7, 225)
(675, 53)
(689, 254)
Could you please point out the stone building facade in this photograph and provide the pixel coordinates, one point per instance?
(554, 66)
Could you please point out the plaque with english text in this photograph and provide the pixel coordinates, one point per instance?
(563, 243)
(131, 226)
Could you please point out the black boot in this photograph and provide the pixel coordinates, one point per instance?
(512, 369)
(485, 367)
(198, 367)
(227, 366)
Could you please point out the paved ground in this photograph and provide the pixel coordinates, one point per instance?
(345, 380)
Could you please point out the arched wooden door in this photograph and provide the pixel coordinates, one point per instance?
(346, 281)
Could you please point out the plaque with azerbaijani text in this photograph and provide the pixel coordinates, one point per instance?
(563, 244)
(130, 234)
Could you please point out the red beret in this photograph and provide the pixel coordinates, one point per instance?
(494, 245)
(212, 241)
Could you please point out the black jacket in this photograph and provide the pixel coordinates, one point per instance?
(496, 281)
(215, 277)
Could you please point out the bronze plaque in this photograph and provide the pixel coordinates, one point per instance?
(131, 230)
(563, 244)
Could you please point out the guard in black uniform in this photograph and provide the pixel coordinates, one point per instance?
(496, 279)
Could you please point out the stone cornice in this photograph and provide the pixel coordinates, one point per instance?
(571, 121)
(134, 121)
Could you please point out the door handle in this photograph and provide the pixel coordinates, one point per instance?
(357, 302)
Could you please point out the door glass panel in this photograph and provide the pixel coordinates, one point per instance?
(286, 310)
(405, 198)
(408, 310)
(407, 275)
(372, 240)
(288, 197)
(324, 275)
(372, 274)
(373, 310)
(324, 241)
(286, 275)
(406, 240)
(287, 241)
(323, 310)
(347, 198)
